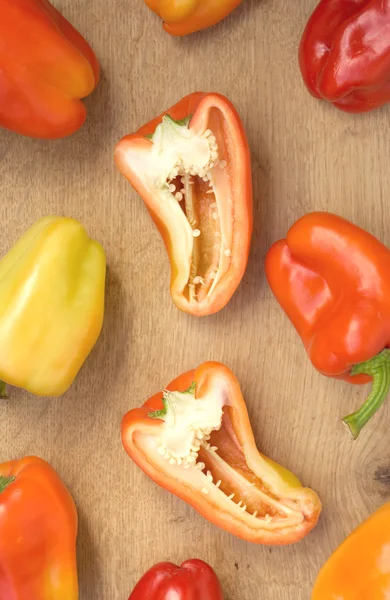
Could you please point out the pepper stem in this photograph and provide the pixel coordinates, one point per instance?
(379, 369)
(3, 390)
(160, 414)
(5, 481)
(168, 119)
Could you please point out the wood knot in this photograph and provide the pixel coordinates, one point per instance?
(382, 474)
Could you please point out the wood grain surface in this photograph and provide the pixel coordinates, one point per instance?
(306, 156)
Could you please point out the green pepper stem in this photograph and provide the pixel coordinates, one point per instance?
(5, 481)
(160, 414)
(379, 369)
(3, 390)
(168, 119)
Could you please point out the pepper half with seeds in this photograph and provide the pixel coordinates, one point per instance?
(199, 445)
(191, 166)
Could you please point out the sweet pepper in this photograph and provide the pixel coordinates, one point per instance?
(182, 17)
(360, 567)
(191, 166)
(46, 66)
(195, 440)
(193, 580)
(332, 280)
(345, 53)
(51, 305)
(38, 530)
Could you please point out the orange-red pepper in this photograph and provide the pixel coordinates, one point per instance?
(332, 279)
(195, 440)
(38, 530)
(360, 567)
(46, 66)
(182, 17)
(191, 166)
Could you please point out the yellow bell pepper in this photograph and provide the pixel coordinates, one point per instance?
(51, 305)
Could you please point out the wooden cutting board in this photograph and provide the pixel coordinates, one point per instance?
(305, 156)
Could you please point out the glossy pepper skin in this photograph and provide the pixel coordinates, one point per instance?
(46, 67)
(38, 530)
(331, 279)
(360, 567)
(230, 483)
(345, 53)
(193, 580)
(51, 305)
(182, 17)
(207, 233)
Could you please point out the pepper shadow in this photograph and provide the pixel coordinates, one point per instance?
(103, 373)
(254, 283)
(55, 159)
(104, 366)
(89, 574)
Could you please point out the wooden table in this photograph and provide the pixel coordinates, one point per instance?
(306, 156)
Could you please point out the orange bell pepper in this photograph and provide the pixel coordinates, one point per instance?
(46, 66)
(191, 166)
(182, 17)
(38, 530)
(332, 280)
(360, 567)
(195, 440)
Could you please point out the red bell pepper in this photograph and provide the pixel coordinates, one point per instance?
(345, 53)
(195, 440)
(193, 580)
(191, 166)
(46, 66)
(332, 280)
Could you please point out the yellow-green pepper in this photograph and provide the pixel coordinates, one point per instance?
(51, 305)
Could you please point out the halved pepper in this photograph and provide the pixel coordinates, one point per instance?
(38, 530)
(360, 567)
(332, 279)
(195, 440)
(182, 17)
(51, 305)
(191, 166)
(46, 67)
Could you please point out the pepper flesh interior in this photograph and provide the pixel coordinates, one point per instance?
(201, 442)
(190, 165)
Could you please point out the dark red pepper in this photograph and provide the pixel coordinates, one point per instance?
(345, 53)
